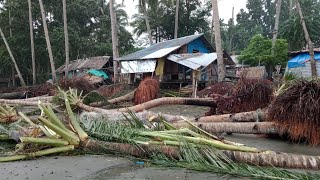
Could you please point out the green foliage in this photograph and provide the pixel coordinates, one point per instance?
(193, 17)
(89, 29)
(259, 52)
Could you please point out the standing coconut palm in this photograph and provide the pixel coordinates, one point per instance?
(308, 40)
(217, 36)
(143, 8)
(115, 40)
(176, 20)
(66, 35)
(276, 25)
(45, 28)
(12, 58)
(32, 45)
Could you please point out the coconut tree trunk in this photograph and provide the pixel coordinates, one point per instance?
(12, 58)
(66, 36)
(176, 20)
(290, 6)
(217, 35)
(146, 18)
(124, 98)
(170, 100)
(32, 44)
(20, 102)
(231, 127)
(45, 28)
(115, 40)
(284, 160)
(276, 26)
(251, 116)
(308, 40)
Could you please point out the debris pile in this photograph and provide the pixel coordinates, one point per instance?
(221, 88)
(81, 83)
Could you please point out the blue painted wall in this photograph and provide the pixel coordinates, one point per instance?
(197, 45)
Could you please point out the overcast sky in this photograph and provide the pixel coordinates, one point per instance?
(225, 12)
(225, 7)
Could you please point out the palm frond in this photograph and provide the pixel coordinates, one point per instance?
(210, 160)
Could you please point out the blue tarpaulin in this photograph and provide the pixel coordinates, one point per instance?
(299, 60)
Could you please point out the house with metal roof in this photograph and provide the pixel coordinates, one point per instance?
(92, 65)
(300, 65)
(175, 60)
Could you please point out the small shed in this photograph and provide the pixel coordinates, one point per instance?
(174, 60)
(300, 65)
(80, 66)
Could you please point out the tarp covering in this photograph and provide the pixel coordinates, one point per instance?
(98, 73)
(195, 60)
(138, 66)
(299, 60)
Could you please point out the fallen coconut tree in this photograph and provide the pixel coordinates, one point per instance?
(232, 127)
(134, 139)
(296, 111)
(170, 100)
(19, 102)
(252, 116)
(127, 97)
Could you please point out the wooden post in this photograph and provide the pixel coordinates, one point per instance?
(194, 82)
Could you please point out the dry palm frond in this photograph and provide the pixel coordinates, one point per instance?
(297, 111)
(79, 83)
(147, 90)
(248, 95)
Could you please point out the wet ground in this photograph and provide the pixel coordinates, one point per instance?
(91, 167)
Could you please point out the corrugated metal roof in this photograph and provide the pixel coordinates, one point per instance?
(195, 60)
(161, 49)
(87, 63)
(304, 51)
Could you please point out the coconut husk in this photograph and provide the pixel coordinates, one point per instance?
(297, 111)
(146, 91)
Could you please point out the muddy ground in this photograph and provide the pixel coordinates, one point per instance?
(87, 167)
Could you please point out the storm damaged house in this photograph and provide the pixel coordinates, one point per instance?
(177, 60)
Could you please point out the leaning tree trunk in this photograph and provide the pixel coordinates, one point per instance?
(170, 100)
(12, 58)
(115, 40)
(32, 44)
(45, 28)
(231, 127)
(308, 40)
(176, 20)
(217, 36)
(276, 26)
(66, 36)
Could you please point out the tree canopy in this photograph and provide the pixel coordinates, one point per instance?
(258, 52)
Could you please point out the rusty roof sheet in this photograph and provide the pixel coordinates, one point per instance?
(87, 63)
(161, 49)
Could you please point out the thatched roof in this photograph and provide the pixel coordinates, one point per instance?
(87, 63)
